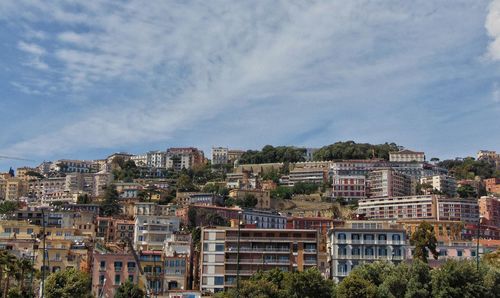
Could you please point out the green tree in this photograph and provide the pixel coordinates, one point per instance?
(129, 290)
(305, 188)
(493, 259)
(466, 191)
(248, 201)
(419, 281)
(8, 207)
(68, 283)
(282, 192)
(424, 240)
(352, 150)
(354, 286)
(309, 283)
(184, 183)
(110, 205)
(458, 279)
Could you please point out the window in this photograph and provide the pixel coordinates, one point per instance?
(356, 251)
(117, 279)
(16, 230)
(58, 233)
(219, 247)
(118, 266)
(355, 237)
(342, 251)
(103, 265)
(382, 237)
(219, 280)
(29, 231)
(101, 279)
(369, 251)
(341, 236)
(382, 251)
(131, 278)
(396, 237)
(459, 253)
(7, 230)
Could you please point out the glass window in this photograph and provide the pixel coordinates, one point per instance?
(117, 279)
(396, 237)
(219, 247)
(341, 236)
(29, 231)
(459, 253)
(103, 264)
(219, 280)
(118, 265)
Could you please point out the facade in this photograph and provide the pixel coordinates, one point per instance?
(356, 242)
(489, 208)
(442, 183)
(110, 269)
(151, 231)
(184, 158)
(444, 230)
(220, 155)
(260, 249)
(263, 219)
(15, 188)
(420, 207)
(234, 155)
(492, 185)
(406, 156)
(263, 196)
(309, 175)
(388, 183)
(72, 166)
(113, 229)
(349, 187)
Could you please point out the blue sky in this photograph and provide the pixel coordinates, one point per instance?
(85, 80)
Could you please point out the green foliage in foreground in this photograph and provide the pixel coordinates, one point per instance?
(68, 283)
(377, 280)
(129, 290)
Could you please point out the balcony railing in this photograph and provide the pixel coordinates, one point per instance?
(270, 249)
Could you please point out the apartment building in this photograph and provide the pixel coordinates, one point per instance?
(184, 158)
(420, 207)
(444, 230)
(151, 231)
(308, 175)
(219, 155)
(14, 188)
(263, 219)
(407, 156)
(111, 267)
(153, 268)
(388, 183)
(442, 183)
(492, 185)
(353, 243)
(259, 249)
(349, 187)
(72, 166)
(227, 213)
(112, 229)
(356, 167)
(176, 272)
(489, 208)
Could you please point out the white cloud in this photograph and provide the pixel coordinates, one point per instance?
(493, 27)
(496, 92)
(31, 48)
(204, 61)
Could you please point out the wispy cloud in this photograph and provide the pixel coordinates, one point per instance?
(269, 69)
(493, 27)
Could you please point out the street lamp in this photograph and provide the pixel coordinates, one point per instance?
(477, 243)
(238, 257)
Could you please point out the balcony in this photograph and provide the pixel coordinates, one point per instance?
(310, 250)
(242, 272)
(259, 249)
(310, 262)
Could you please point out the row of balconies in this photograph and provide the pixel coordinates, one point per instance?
(362, 241)
(368, 257)
(271, 239)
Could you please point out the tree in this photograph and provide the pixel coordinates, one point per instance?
(458, 279)
(309, 283)
(8, 267)
(129, 290)
(352, 150)
(68, 283)
(354, 286)
(305, 188)
(282, 192)
(110, 205)
(8, 207)
(248, 201)
(466, 191)
(184, 183)
(424, 241)
(493, 258)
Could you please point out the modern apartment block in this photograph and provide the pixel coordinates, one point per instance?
(406, 156)
(356, 242)
(308, 175)
(442, 183)
(420, 207)
(259, 249)
(150, 231)
(388, 183)
(219, 155)
(492, 185)
(349, 187)
(184, 158)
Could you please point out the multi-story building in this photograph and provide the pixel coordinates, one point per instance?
(420, 207)
(309, 175)
(406, 156)
(263, 219)
(356, 167)
(22, 173)
(444, 230)
(356, 242)
(176, 272)
(492, 185)
(388, 183)
(227, 213)
(114, 229)
(259, 249)
(152, 266)
(151, 159)
(442, 183)
(128, 190)
(151, 231)
(233, 155)
(220, 155)
(112, 266)
(489, 208)
(349, 187)
(184, 158)
(15, 188)
(72, 166)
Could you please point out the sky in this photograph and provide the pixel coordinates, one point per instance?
(84, 79)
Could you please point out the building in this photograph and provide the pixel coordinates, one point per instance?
(263, 196)
(234, 155)
(13, 189)
(112, 229)
(263, 219)
(388, 183)
(349, 187)
(112, 266)
(444, 230)
(489, 208)
(406, 156)
(72, 166)
(151, 159)
(151, 231)
(353, 243)
(431, 207)
(441, 183)
(356, 167)
(492, 185)
(220, 155)
(260, 249)
(227, 213)
(184, 158)
(308, 175)
(128, 190)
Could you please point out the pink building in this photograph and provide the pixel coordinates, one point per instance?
(110, 269)
(489, 208)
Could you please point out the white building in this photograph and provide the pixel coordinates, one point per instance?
(406, 156)
(219, 155)
(443, 183)
(358, 242)
(151, 231)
